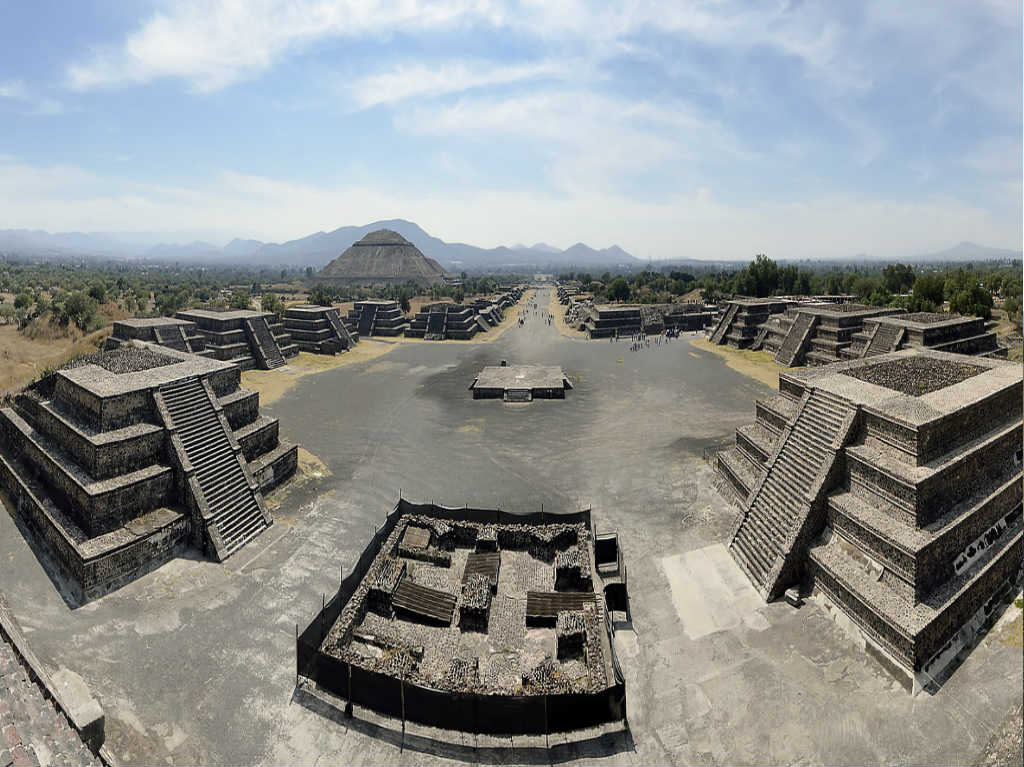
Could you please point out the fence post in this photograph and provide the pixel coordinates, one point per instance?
(296, 654)
(547, 739)
(402, 688)
(323, 609)
(348, 705)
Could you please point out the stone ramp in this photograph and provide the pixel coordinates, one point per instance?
(886, 338)
(722, 328)
(229, 501)
(339, 328)
(366, 318)
(264, 343)
(774, 526)
(171, 336)
(435, 326)
(795, 343)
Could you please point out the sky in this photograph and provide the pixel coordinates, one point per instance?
(675, 130)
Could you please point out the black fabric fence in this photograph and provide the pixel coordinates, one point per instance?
(464, 711)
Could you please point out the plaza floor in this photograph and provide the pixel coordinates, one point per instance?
(195, 662)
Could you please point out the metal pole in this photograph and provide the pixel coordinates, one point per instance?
(547, 739)
(323, 608)
(403, 713)
(348, 707)
(296, 651)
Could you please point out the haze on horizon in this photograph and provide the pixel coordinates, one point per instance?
(682, 129)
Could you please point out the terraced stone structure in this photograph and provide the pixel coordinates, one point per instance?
(247, 338)
(119, 460)
(454, 618)
(817, 334)
(520, 383)
(924, 330)
(171, 332)
(443, 321)
(377, 318)
(891, 486)
(383, 257)
(606, 320)
(744, 322)
(319, 329)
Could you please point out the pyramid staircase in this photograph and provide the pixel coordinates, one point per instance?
(784, 509)
(718, 336)
(216, 475)
(436, 325)
(172, 336)
(264, 343)
(759, 338)
(886, 338)
(366, 320)
(339, 328)
(795, 343)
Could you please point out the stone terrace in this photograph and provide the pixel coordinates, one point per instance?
(319, 329)
(121, 459)
(894, 486)
(924, 330)
(245, 337)
(817, 334)
(743, 322)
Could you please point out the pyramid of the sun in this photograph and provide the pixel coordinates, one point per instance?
(382, 257)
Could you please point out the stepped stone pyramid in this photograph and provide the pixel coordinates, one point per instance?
(441, 321)
(171, 332)
(319, 329)
(245, 337)
(892, 486)
(377, 318)
(117, 461)
(816, 334)
(924, 330)
(380, 258)
(743, 322)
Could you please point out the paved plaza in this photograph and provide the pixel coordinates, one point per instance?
(195, 662)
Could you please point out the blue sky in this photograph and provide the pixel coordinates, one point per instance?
(686, 129)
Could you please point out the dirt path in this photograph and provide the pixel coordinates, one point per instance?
(557, 311)
(757, 365)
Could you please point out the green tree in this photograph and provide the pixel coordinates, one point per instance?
(618, 290)
(22, 301)
(98, 292)
(320, 296)
(929, 287)
(240, 299)
(271, 302)
(403, 302)
(897, 278)
(79, 308)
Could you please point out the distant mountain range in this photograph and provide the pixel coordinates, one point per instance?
(319, 249)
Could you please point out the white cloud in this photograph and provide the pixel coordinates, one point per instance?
(28, 103)
(214, 44)
(420, 80)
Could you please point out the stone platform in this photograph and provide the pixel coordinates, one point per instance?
(118, 461)
(249, 339)
(520, 383)
(893, 486)
(924, 330)
(319, 329)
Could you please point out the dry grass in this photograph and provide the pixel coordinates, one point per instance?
(272, 384)
(757, 365)
(24, 358)
(557, 311)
